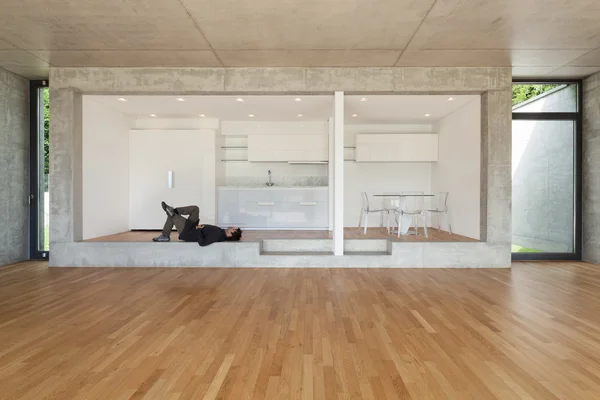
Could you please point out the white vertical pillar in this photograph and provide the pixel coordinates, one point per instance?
(338, 172)
(331, 159)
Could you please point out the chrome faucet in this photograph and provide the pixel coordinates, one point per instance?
(270, 183)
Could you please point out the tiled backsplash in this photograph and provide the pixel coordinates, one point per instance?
(253, 181)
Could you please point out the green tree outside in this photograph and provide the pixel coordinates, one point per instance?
(521, 93)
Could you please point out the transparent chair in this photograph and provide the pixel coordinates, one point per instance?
(365, 210)
(411, 206)
(439, 206)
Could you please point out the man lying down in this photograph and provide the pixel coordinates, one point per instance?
(190, 231)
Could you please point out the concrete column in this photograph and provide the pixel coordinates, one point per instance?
(591, 169)
(65, 167)
(338, 171)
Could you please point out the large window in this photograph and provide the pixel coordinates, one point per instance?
(39, 199)
(546, 170)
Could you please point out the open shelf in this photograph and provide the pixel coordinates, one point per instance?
(234, 147)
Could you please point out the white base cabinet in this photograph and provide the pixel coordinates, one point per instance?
(273, 208)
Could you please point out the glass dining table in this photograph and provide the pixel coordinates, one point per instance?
(406, 219)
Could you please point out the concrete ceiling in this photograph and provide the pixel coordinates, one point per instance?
(358, 109)
(539, 38)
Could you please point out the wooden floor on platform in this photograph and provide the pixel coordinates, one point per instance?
(530, 332)
(349, 233)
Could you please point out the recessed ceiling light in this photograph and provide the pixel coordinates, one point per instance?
(202, 115)
(428, 115)
(153, 115)
(297, 99)
(180, 99)
(363, 99)
(122, 99)
(451, 99)
(354, 115)
(251, 115)
(299, 115)
(239, 99)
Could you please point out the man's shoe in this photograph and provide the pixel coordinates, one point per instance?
(168, 209)
(162, 238)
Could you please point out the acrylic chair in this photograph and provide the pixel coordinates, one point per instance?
(365, 210)
(411, 205)
(440, 207)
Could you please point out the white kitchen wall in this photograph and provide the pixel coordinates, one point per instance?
(380, 178)
(240, 173)
(105, 178)
(458, 168)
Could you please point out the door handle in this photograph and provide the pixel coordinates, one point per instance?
(266, 203)
(170, 179)
(308, 203)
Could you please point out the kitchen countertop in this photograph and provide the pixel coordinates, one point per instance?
(271, 187)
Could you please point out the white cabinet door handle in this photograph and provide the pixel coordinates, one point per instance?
(308, 203)
(266, 203)
(170, 179)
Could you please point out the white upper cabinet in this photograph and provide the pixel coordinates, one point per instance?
(285, 147)
(406, 147)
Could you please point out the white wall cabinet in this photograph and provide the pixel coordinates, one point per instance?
(189, 155)
(421, 147)
(273, 208)
(273, 148)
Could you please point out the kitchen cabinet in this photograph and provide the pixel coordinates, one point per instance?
(176, 166)
(273, 207)
(406, 147)
(276, 148)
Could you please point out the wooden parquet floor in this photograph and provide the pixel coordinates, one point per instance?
(532, 332)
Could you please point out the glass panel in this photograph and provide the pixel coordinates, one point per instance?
(544, 98)
(43, 199)
(543, 186)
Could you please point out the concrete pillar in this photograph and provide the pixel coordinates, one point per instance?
(591, 170)
(338, 171)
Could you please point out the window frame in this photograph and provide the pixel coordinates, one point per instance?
(577, 119)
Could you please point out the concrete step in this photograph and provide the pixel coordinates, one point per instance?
(323, 246)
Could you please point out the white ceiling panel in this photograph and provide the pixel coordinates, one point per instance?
(390, 109)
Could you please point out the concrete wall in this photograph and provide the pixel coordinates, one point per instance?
(543, 175)
(14, 168)
(67, 84)
(105, 170)
(591, 169)
(457, 170)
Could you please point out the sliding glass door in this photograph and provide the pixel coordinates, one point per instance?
(546, 184)
(39, 199)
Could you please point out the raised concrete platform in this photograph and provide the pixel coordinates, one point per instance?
(306, 254)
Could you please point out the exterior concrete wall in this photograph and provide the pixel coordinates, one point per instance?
(591, 169)
(14, 168)
(543, 175)
(67, 84)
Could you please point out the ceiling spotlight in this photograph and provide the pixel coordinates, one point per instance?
(299, 115)
(428, 115)
(297, 99)
(122, 99)
(202, 115)
(180, 99)
(363, 99)
(354, 115)
(153, 115)
(451, 99)
(251, 115)
(239, 99)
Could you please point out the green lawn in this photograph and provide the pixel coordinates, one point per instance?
(46, 238)
(520, 249)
